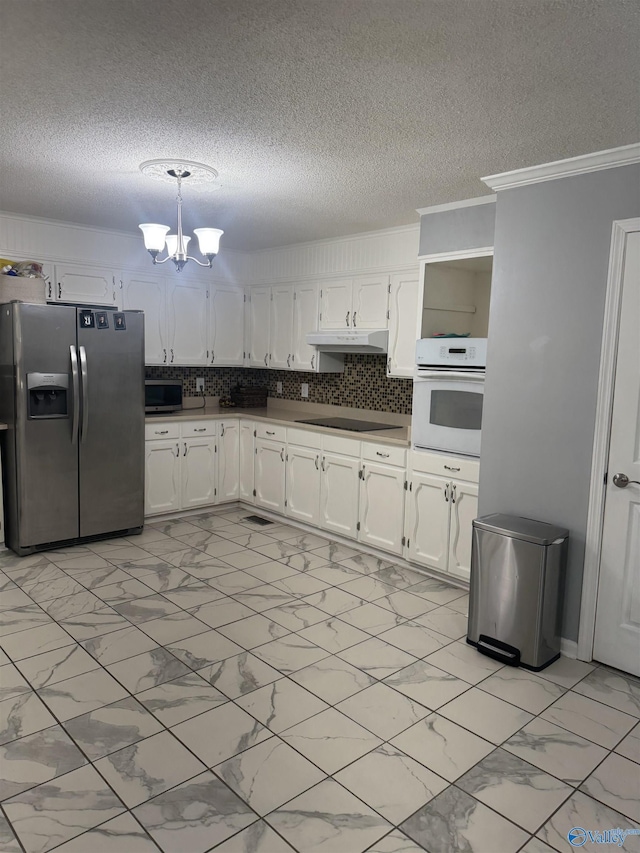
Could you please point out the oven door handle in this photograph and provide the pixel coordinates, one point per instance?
(470, 376)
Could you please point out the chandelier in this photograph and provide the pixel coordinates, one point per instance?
(156, 236)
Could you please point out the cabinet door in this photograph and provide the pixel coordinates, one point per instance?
(403, 325)
(270, 474)
(335, 304)
(228, 461)
(259, 335)
(226, 326)
(339, 490)
(370, 302)
(382, 507)
(86, 285)
(281, 348)
(464, 508)
(247, 457)
(187, 302)
(305, 320)
(162, 477)
(198, 469)
(303, 484)
(428, 523)
(149, 294)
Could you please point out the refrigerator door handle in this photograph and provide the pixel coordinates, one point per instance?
(75, 379)
(85, 393)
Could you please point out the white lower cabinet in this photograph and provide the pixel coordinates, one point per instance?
(247, 461)
(198, 471)
(339, 493)
(382, 506)
(270, 474)
(464, 508)
(162, 476)
(228, 461)
(428, 521)
(303, 484)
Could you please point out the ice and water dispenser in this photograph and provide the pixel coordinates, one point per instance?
(47, 395)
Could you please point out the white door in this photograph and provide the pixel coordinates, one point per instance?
(303, 484)
(86, 285)
(335, 304)
(617, 631)
(281, 327)
(198, 465)
(382, 507)
(428, 521)
(305, 320)
(228, 461)
(226, 326)
(259, 324)
(148, 293)
(187, 302)
(270, 474)
(463, 498)
(403, 325)
(370, 302)
(162, 477)
(247, 456)
(339, 490)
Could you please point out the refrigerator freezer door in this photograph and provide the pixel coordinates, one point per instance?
(42, 461)
(111, 445)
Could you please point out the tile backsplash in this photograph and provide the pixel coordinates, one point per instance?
(363, 385)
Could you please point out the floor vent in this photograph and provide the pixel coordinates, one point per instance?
(255, 519)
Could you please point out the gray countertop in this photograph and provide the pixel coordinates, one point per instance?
(289, 417)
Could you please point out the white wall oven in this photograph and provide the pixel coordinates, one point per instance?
(448, 393)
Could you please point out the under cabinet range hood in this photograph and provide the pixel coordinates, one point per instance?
(348, 340)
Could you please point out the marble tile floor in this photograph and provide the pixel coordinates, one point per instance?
(216, 685)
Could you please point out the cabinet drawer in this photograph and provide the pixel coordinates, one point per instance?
(385, 453)
(338, 444)
(304, 438)
(155, 432)
(271, 432)
(458, 467)
(196, 428)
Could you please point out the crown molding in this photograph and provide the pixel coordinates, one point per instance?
(456, 205)
(609, 159)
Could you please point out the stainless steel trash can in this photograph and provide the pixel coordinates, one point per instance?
(517, 571)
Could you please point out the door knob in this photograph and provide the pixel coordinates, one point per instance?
(622, 481)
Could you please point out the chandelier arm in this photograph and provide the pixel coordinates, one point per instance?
(200, 263)
(163, 261)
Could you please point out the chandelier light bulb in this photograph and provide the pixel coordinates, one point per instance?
(154, 236)
(208, 240)
(172, 244)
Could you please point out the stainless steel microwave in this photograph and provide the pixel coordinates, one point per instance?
(162, 395)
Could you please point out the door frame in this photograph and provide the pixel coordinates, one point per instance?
(602, 435)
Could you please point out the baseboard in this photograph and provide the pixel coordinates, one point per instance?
(569, 648)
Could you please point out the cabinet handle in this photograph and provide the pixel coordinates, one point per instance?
(59, 291)
(185, 449)
(269, 433)
(313, 358)
(165, 355)
(288, 361)
(207, 354)
(199, 429)
(171, 356)
(353, 319)
(177, 450)
(451, 468)
(446, 492)
(222, 433)
(347, 319)
(384, 455)
(453, 493)
(317, 466)
(49, 290)
(388, 365)
(282, 455)
(265, 359)
(213, 356)
(322, 466)
(161, 431)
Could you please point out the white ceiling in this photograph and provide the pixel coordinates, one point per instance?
(323, 117)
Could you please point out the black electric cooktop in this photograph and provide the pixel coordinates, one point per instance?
(350, 424)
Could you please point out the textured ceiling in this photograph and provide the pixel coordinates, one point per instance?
(323, 117)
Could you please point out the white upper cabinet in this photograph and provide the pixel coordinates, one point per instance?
(369, 302)
(259, 327)
(87, 285)
(229, 460)
(148, 293)
(187, 308)
(305, 320)
(226, 326)
(281, 351)
(335, 304)
(403, 325)
(359, 303)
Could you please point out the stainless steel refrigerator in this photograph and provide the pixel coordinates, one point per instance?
(72, 394)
